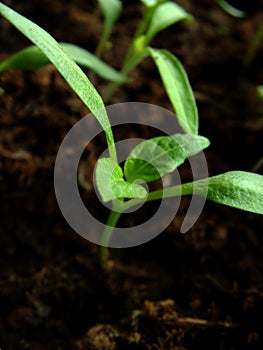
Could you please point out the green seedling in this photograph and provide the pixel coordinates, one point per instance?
(151, 159)
(157, 16)
(111, 11)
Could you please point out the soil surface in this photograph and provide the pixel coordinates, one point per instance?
(199, 290)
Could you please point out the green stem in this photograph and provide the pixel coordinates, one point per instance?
(148, 12)
(133, 57)
(106, 236)
(254, 46)
(103, 42)
(111, 145)
(127, 68)
(173, 191)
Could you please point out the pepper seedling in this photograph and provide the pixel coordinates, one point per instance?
(157, 16)
(151, 159)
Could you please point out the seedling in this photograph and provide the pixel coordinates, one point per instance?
(158, 15)
(156, 157)
(247, 7)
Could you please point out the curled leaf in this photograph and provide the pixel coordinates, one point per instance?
(110, 182)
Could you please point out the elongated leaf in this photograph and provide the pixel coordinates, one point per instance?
(111, 10)
(110, 182)
(86, 59)
(151, 159)
(32, 58)
(238, 189)
(231, 9)
(164, 16)
(65, 65)
(178, 88)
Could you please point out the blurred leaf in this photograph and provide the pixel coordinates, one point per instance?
(164, 16)
(231, 10)
(111, 10)
(32, 58)
(178, 88)
(260, 91)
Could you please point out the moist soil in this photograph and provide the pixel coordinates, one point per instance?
(198, 290)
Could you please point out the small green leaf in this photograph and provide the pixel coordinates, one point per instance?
(238, 189)
(164, 16)
(178, 88)
(151, 159)
(71, 72)
(111, 185)
(111, 10)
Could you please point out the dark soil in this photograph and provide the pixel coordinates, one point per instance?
(199, 290)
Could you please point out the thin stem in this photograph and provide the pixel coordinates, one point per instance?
(127, 68)
(254, 46)
(106, 236)
(111, 146)
(148, 12)
(133, 57)
(103, 42)
(173, 191)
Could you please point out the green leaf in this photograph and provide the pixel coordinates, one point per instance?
(111, 10)
(238, 189)
(32, 58)
(164, 16)
(151, 3)
(151, 159)
(65, 65)
(110, 182)
(231, 9)
(178, 88)
(86, 59)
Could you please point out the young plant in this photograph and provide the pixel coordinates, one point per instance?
(151, 159)
(157, 15)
